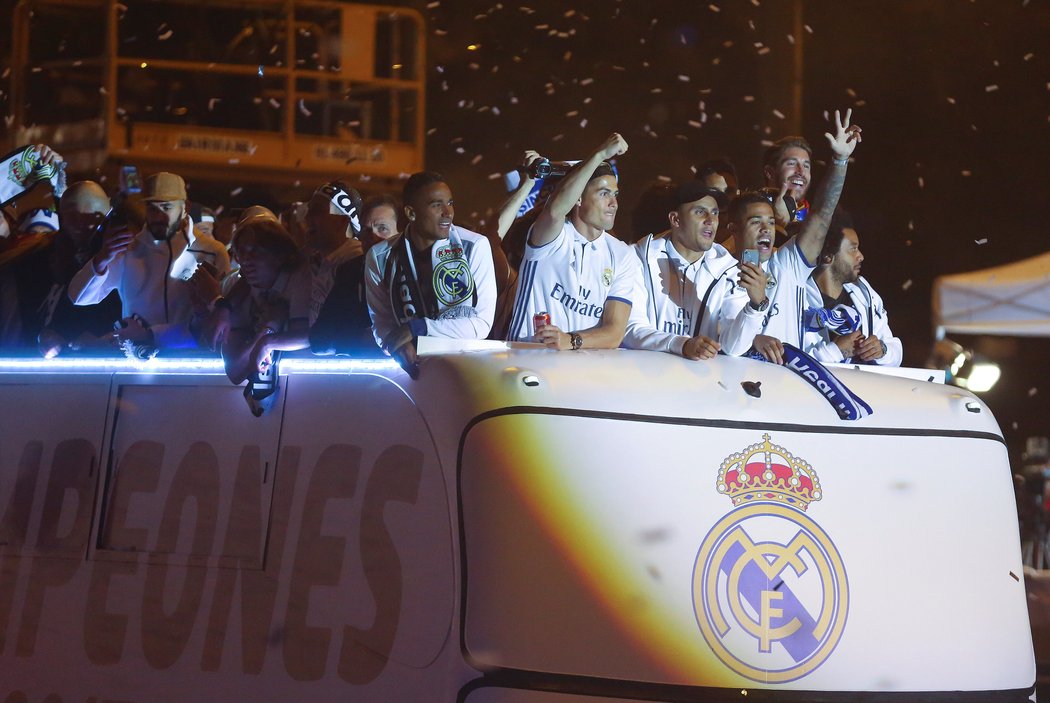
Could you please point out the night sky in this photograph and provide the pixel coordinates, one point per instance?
(953, 96)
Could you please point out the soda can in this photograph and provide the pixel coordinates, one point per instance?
(540, 319)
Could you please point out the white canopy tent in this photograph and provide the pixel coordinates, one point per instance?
(1013, 300)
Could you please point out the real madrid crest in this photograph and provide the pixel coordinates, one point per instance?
(607, 275)
(770, 591)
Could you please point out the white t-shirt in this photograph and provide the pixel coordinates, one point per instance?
(681, 300)
(788, 271)
(571, 278)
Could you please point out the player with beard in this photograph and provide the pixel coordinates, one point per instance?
(752, 224)
(149, 269)
(788, 168)
(837, 284)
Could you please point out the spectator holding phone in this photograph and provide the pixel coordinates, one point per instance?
(149, 269)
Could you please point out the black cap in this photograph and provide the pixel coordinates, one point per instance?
(691, 191)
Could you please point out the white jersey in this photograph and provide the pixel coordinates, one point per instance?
(571, 278)
(873, 321)
(462, 282)
(788, 273)
(682, 299)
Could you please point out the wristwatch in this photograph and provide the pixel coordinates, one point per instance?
(577, 340)
(883, 345)
(761, 307)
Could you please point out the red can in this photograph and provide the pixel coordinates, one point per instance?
(540, 319)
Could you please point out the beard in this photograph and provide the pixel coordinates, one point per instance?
(162, 230)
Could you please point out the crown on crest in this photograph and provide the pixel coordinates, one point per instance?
(767, 472)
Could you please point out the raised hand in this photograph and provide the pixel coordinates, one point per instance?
(527, 161)
(114, 244)
(846, 138)
(614, 145)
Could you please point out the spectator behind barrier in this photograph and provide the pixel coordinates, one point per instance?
(150, 269)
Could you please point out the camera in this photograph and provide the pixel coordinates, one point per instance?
(544, 167)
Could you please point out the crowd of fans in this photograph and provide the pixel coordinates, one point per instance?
(708, 268)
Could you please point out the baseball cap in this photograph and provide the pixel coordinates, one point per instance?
(691, 191)
(163, 187)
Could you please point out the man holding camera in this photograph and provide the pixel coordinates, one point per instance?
(574, 270)
(149, 269)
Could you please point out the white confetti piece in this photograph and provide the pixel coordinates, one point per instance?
(906, 285)
(749, 98)
(1029, 56)
(1032, 391)
(922, 183)
(236, 191)
(494, 176)
(980, 242)
(714, 8)
(303, 109)
(951, 101)
(764, 50)
(683, 78)
(779, 115)
(967, 173)
(991, 88)
(476, 160)
(809, 30)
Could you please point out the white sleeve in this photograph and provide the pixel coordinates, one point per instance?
(478, 326)
(383, 320)
(738, 321)
(790, 258)
(88, 287)
(817, 345)
(542, 252)
(642, 335)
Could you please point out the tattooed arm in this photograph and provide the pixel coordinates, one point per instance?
(844, 141)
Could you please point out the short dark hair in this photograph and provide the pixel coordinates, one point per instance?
(738, 206)
(417, 182)
(775, 153)
(840, 222)
(720, 165)
(383, 200)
